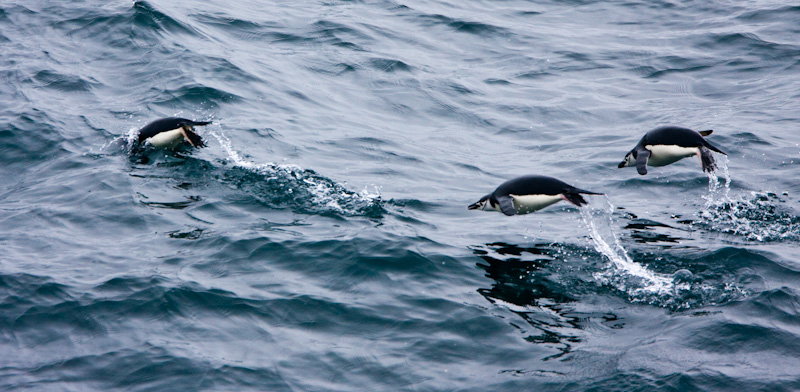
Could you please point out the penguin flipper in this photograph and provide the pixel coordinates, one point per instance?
(706, 133)
(194, 139)
(506, 205)
(707, 160)
(641, 161)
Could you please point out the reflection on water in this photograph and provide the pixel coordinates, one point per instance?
(644, 231)
(524, 283)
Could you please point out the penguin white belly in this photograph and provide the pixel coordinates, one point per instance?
(530, 203)
(662, 155)
(167, 139)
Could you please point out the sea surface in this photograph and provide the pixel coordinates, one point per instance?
(322, 241)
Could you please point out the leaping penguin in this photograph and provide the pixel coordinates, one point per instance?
(171, 131)
(665, 145)
(531, 193)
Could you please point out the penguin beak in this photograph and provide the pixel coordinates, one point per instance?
(621, 164)
(475, 206)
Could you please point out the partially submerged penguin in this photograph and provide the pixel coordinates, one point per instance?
(170, 132)
(527, 194)
(665, 145)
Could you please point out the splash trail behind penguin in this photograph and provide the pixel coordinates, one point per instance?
(760, 216)
(679, 290)
(311, 192)
(623, 273)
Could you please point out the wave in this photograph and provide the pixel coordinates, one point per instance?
(460, 25)
(193, 95)
(151, 19)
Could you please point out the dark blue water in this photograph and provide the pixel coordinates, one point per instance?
(321, 242)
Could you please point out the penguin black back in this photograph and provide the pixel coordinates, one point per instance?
(537, 185)
(678, 136)
(671, 135)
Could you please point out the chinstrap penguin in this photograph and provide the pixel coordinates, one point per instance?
(531, 193)
(665, 145)
(170, 132)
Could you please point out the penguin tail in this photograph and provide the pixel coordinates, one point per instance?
(707, 160)
(712, 147)
(193, 138)
(198, 123)
(706, 132)
(574, 198)
(572, 189)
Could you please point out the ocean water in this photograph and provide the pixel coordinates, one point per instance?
(321, 242)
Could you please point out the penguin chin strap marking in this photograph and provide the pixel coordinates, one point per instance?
(483, 204)
(629, 160)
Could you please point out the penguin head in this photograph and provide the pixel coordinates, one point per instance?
(480, 204)
(630, 160)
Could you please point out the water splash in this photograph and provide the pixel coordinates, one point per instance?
(325, 195)
(717, 190)
(761, 216)
(678, 291)
(125, 143)
(623, 273)
(131, 138)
